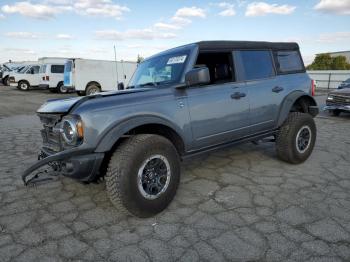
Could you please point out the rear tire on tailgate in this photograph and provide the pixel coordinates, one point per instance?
(296, 138)
(143, 175)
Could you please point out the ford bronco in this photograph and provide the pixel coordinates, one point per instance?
(179, 103)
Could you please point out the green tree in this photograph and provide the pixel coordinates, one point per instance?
(139, 59)
(326, 62)
(339, 63)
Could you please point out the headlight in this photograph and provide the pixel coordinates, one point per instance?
(72, 130)
(330, 98)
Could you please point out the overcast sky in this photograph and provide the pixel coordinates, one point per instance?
(90, 28)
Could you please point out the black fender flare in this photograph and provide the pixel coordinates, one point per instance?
(110, 137)
(289, 101)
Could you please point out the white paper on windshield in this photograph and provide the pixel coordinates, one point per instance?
(177, 60)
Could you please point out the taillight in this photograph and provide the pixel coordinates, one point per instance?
(47, 78)
(313, 87)
(43, 77)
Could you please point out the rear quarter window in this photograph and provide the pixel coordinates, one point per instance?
(289, 62)
(255, 64)
(57, 69)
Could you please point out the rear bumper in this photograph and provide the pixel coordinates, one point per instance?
(337, 107)
(70, 88)
(78, 164)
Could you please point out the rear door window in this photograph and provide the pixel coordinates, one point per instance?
(255, 64)
(289, 61)
(57, 69)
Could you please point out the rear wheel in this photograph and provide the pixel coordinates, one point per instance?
(93, 89)
(6, 81)
(296, 138)
(143, 175)
(61, 88)
(23, 85)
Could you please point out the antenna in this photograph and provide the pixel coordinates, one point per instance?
(116, 64)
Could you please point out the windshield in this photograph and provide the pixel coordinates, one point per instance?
(160, 70)
(22, 69)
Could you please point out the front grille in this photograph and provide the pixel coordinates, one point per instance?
(339, 100)
(51, 136)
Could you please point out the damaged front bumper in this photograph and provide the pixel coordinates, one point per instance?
(79, 164)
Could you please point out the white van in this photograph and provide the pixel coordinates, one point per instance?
(26, 78)
(52, 74)
(13, 67)
(87, 76)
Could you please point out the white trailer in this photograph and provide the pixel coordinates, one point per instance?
(52, 73)
(87, 76)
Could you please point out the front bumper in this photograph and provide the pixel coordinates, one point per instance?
(337, 107)
(82, 165)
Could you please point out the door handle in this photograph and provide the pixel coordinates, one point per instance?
(277, 89)
(238, 95)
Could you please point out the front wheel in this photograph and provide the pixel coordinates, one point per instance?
(296, 138)
(334, 112)
(143, 175)
(23, 85)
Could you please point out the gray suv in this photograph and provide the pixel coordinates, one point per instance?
(180, 103)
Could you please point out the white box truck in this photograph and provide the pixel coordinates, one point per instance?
(52, 74)
(87, 76)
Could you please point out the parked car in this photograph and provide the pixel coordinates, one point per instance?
(180, 103)
(345, 84)
(26, 78)
(338, 101)
(52, 74)
(87, 76)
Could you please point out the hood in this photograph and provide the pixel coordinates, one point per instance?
(341, 92)
(65, 105)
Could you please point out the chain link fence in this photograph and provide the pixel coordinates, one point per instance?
(329, 79)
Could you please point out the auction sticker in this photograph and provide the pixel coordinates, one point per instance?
(177, 60)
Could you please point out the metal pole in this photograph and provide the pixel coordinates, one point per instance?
(329, 79)
(116, 64)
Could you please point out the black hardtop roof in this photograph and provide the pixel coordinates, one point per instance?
(214, 45)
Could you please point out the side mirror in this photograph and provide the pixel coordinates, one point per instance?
(121, 86)
(197, 76)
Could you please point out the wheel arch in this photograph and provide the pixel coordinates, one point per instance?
(141, 125)
(297, 101)
(58, 84)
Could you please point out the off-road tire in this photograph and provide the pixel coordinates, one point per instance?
(23, 82)
(286, 145)
(335, 112)
(92, 88)
(122, 173)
